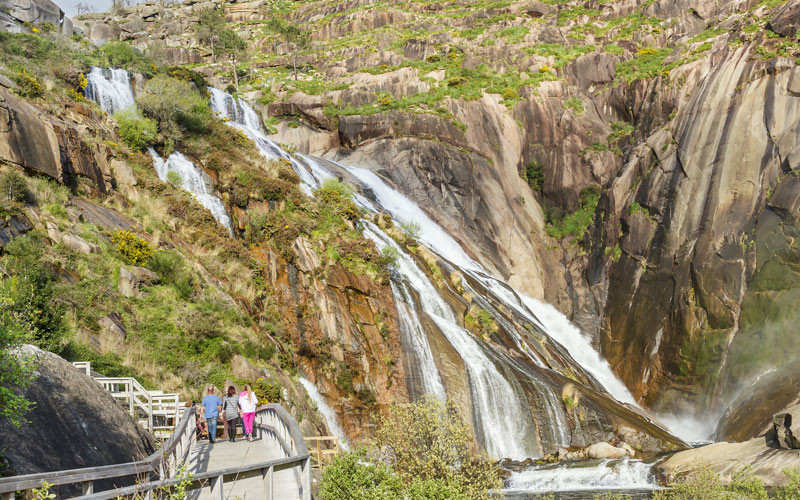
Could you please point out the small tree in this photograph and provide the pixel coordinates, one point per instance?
(232, 45)
(210, 23)
(172, 103)
(428, 440)
(297, 39)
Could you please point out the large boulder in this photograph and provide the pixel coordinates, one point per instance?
(726, 459)
(37, 11)
(74, 424)
(605, 451)
(786, 21)
(32, 140)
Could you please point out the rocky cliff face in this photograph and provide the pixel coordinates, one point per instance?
(75, 423)
(630, 162)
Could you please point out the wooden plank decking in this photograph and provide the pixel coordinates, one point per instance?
(224, 454)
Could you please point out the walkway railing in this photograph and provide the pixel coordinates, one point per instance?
(161, 411)
(278, 430)
(163, 463)
(320, 453)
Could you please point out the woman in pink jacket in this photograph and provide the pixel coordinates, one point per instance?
(248, 403)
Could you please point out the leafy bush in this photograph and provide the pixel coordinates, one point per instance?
(411, 231)
(122, 55)
(133, 248)
(577, 222)
(171, 268)
(433, 489)
(350, 477)
(27, 85)
(534, 175)
(13, 186)
(27, 295)
(173, 104)
(428, 440)
(136, 131)
(267, 392)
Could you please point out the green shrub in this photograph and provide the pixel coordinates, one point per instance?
(350, 477)
(411, 231)
(171, 268)
(133, 248)
(267, 392)
(27, 85)
(433, 489)
(13, 186)
(122, 55)
(577, 222)
(534, 175)
(575, 104)
(428, 440)
(28, 293)
(174, 178)
(135, 130)
(174, 105)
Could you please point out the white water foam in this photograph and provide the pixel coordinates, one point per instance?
(608, 475)
(498, 402)
(326, 410)
(110, 88)
(559, 328)
(193, 180)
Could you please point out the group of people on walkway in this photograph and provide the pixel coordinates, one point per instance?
(230, 408)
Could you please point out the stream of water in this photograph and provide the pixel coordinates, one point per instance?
(501, 409)
(110, 88)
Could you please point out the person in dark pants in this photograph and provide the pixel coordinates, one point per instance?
(210, 409)
(232, 412)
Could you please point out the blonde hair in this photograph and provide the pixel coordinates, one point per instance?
(249, 389)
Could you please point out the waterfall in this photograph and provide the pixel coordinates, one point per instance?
(110, 88)
(193, 180)
(501, 412)
(501, 408)
(242, 116)
(607, 475)
(326, 410)
(555, 324)
(559, 328)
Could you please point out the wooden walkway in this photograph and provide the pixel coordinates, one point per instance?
(224, 455)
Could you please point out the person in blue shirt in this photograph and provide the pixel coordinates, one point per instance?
(211, 407)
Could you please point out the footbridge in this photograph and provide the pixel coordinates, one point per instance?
(275, 465)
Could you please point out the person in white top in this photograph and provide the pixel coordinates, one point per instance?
(248, 403)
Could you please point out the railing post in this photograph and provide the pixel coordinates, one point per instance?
(216, 488)
(87, 487)
(130, 398)
(267, 476)
(305, 478)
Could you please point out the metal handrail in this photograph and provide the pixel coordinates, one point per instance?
(165, 462)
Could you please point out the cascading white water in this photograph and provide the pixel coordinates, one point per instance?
(242, 116)
(412, 328)
(110, 88)
(500, 406)
(194, 180)
(326, 410)
(608, 475)
(559, 328)
(555, 324)
(491, 391)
